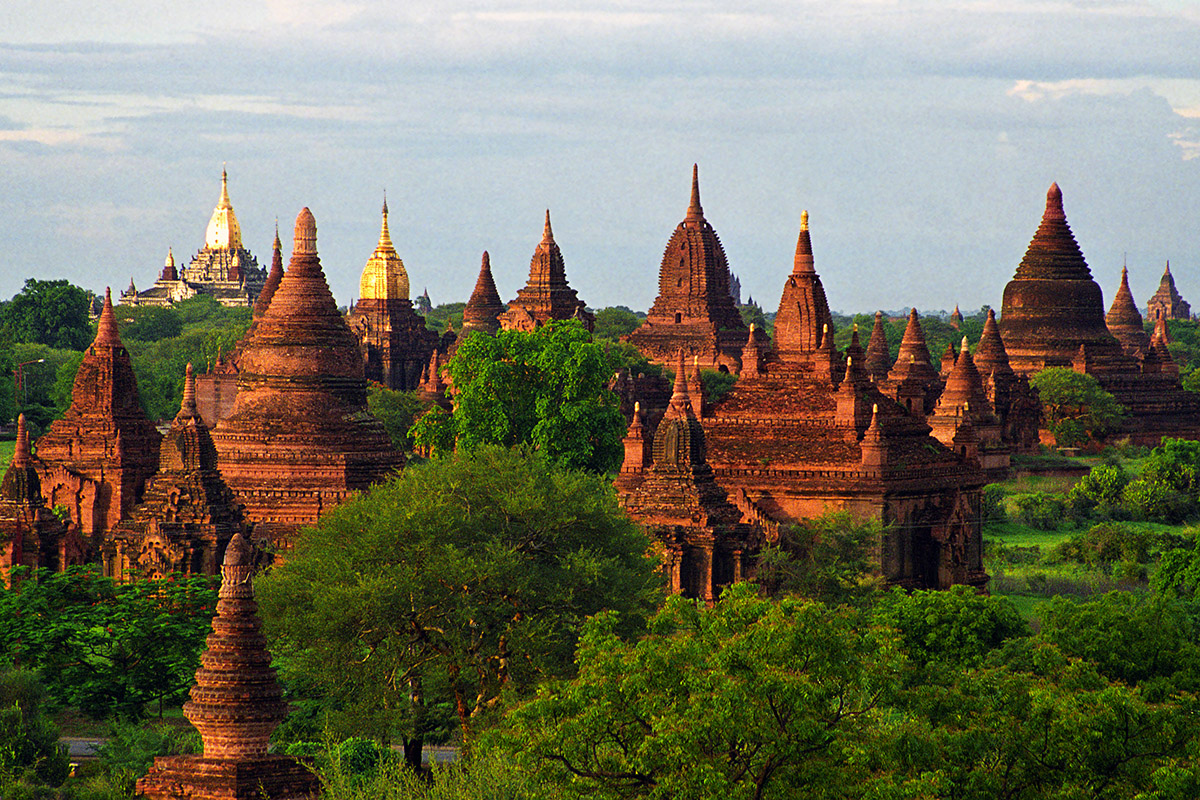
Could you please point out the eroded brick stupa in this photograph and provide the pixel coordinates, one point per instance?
(546, 296)
(1053, 316)
(236, 704)
(694, 310)
(395, 343)
(483, 309)
(188, 514)
(95, 461)
(806, 431)
(300, 439)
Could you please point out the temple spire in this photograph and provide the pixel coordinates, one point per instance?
(21, 454)
(679, 393)
(803, 262)
(106, 329)
(187, 408)
(695, 212)
(547, 232)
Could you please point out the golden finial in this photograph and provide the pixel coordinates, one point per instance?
(804, 220)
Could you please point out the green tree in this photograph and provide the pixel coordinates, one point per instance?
(433, 596)
(547, 387)
(750, 699)
(1077, 408)
(827, 558)
(54, 313)
(105, 648)
(149, 324)
(397, 411)
(614, 322)
(29, 748)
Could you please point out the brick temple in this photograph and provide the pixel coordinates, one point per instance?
(30, 535)
(1166, 302)
(806, 430)
(300, 439)
(694, 310)
(1053, 316)
(223, 269)
(96, 460)
(546, 296)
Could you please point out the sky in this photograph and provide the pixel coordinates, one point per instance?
(920, 135)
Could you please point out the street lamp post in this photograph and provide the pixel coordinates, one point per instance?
(20, 385)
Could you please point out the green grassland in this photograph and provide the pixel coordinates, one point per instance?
(6, 453)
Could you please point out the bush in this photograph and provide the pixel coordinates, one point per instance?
(29, 750)
(1107, 544)
(132, 748)
(1099, 493)
(1040, 510)
(992, 505)
(1157, 501)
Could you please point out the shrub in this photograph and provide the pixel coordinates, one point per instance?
(29, 750)
(1106, 544)
(1099, 493)
(131, 749)
(992, 505)
(1040, 510)
(1157, 501)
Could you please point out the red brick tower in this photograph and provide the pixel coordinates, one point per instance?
(97, 458)
(300, 439)
(803, 310)
(484, 308)
(878, 358)
(1124, 320)
(694, 310)
(236, 704)
(546, 296)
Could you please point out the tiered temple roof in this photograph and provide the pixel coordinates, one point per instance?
(96, 460)
(546, 296)
(30, 535)
(694, 310)
(803, 310)
(300, 439)
(483, 310)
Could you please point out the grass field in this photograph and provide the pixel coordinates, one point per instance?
(6, 452)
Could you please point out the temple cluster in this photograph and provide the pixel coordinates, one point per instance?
(277, 431)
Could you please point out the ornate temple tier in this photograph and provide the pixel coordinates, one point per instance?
(1166, 303)
(546, 296)
(300, 439)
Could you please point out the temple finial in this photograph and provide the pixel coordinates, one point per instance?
(695, 211)
(804, 220)
(21, 454)
(304, 238)
(385, 204)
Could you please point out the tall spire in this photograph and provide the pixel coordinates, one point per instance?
(106, 329)
(695, 212)
(384, 276)
(483, 310)
(1053, 253)
(878, 357)
(223, 233)
(187, 408)
(679, 393)
(547, 232)
(273, 277)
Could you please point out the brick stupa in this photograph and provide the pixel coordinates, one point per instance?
(803, 310)
(300, 439)
(395, 343)
(96, 460)
(546, 296)
(483, 310)
(236, 704)
(188, 514)
(694, 310)
(1124, 321)
(1053, 316)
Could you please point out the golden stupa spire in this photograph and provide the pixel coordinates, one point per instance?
(384, 276)
(804, 220)
(223, 233)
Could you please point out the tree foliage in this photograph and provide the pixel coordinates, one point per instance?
(615, 321)
(827, 558)
(397, 411)
(1077, 408)
(53, 313)
(106, 648)
(433, 595)
(547, 388)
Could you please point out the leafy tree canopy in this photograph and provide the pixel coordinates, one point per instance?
(615, 321)
(465, 578)
(54, 313)
(1076, 406)
(103, 647)
(547, 387)
(148, 323)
